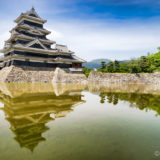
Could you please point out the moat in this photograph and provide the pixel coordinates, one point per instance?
(46, 122)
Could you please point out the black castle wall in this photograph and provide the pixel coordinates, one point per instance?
(33, 35)
(38, 55)
(36, 64)
(32, 23)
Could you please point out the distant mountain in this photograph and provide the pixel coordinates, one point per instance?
(96, 63)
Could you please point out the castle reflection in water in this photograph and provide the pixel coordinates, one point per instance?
(29, 107)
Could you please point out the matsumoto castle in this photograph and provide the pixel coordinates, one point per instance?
(28, 46)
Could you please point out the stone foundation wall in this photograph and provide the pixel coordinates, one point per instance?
(63, 77)
(125, 78)
(33, 74)
(16, 74)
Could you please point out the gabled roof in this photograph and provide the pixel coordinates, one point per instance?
(33, 13)
(34, 31)
(21, 36)
(36, 41)
(26, 26)
(30, 15)
(79, 59)
(74, 60)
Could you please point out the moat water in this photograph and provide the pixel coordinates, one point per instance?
(47, 122)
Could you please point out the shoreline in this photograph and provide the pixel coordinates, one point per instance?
(30, 75)
(15, 89)
(127, 78)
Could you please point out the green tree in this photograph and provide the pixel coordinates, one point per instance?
(135, 69)
(158, 48)
(116, 66)
(144, 64)
(124, 67)
(103, 66)
(110, 67)
(87, 71)
(155, 59)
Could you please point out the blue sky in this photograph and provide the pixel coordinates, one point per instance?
(114, 29)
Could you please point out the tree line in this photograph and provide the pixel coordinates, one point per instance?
(144, 64)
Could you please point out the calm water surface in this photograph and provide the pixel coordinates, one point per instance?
(44, 122)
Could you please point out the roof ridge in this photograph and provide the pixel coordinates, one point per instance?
(32, 11)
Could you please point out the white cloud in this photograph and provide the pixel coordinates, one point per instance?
(96, 39)
(113, 40)
(5, 27)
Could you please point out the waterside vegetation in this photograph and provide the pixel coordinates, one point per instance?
(141, 101)
(143, 64)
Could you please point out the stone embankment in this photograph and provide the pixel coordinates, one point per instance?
(30, 74)
(125, 78)
(17, 74)
(60, 76)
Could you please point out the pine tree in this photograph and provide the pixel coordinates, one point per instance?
(110, 67)
(144, 64)
(103, 66)
(116, 66)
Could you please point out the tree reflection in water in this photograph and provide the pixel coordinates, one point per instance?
(141, 101)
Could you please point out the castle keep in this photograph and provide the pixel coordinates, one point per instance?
(28, 46)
